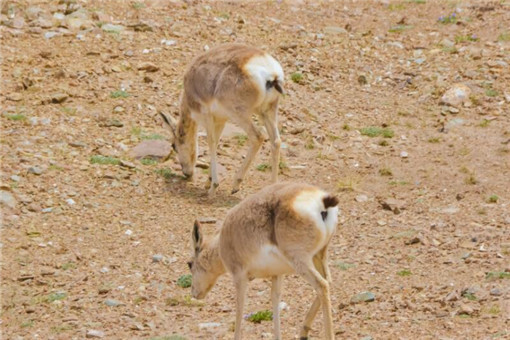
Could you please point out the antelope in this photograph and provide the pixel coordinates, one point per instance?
(284, 228)
(231, 82)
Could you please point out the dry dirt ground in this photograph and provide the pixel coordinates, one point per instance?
(425, 215)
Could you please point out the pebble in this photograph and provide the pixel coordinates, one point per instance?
(157, 258)
(158, 149)
(205, 325)
(335, 30)
(363, 297)
(92, 333)
(404, 154)
(465, 309)
(148, 67)
(113, 28)
(112, 303)
(168, 42)
(15, 178)
(70, 201)
(47, 210)
(15, 97)
(361, 198)
(7, 199)
(456, 95)
(58, 98)
(129, 232)
(496, 292)
(50, 34)
(35, 170)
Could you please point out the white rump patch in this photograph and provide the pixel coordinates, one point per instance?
(262, 69)
(309, 204)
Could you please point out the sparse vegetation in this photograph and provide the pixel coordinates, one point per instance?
(505, 36)
(451, 19)
(404, 272)
(119, 94)
(344, 265)
(385, 172)
(491, 93)
(184, 281)
(434, 140)
(297, 77)
(484, 123)
(373, 131)
(167, 173)
(148, 161)
(241, 139)
(258, 317)
(263, 167)
(17, 117)
(399, 28)
(498, 275)
(100, 159)
(493, 199)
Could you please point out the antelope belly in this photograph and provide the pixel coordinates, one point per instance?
(269, 262)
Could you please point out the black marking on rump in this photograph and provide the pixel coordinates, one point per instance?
(324, 215)
(330, 201)
(275, 84)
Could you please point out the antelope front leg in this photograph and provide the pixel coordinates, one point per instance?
(213, 135)
(255, 140)
(241, 285)
(276, 289)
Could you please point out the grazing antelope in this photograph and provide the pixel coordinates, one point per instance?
(228, 83)
(284, 228)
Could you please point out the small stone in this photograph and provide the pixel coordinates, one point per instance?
(361, 198)
(168, 42)
(335, 30)
(465, 310)
(157, 258)
(128, 232)
(35, 170)
(452, 296)
(113, 303)
(127, 164)
(148, 67)
(404, 154)
(363, 297)
(112, 28)
(496, 292)
(15, 97)
(50, 34)
(70, 201)
(118, 109)
(77, 144)
(47, 210)
(15, 178)
(206, 325)
(202, 165)
(58, 98)
(158, 149)
(6, 198)
(392, 204)
(456, 95)
(92, 333)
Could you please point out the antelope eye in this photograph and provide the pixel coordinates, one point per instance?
(190, 264)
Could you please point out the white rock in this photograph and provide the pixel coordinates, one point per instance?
(404, 154)
(206, 325)
(456, 95)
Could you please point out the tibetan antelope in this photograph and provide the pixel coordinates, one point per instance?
(284, 228)
(228, 83)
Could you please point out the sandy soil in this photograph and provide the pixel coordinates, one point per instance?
(425, 218)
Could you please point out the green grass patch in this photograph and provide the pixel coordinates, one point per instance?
(154, 136)
(470, 296)
(119, 94)
(505, 36)
(398, 182)
(184, 281)
(396, 7)
(493, 199)
(491, 93)
(297, 77)
(69, 110)
(263, 167)
(148, 161)
(347, 183)
(166, 173)
(183, 301)
(404, 272)
(484, 123)
(27, 324)
(258, 317)
(498, 275)
(374, 131)
(434, 140)
(100, 159)
(399, 28)
(56, 296)
(138, 5)
(241, 139)
(344, 265)
(385, 172)
(421, 2)
(68, 265)
(17, 117)
(494, 310)
(465, 38)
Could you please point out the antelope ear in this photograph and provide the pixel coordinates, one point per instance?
(170, 122)
(196, 235)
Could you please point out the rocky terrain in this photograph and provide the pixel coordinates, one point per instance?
(401, 108)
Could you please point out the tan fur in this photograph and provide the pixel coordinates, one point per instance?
(218, 88)
(266, 219)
